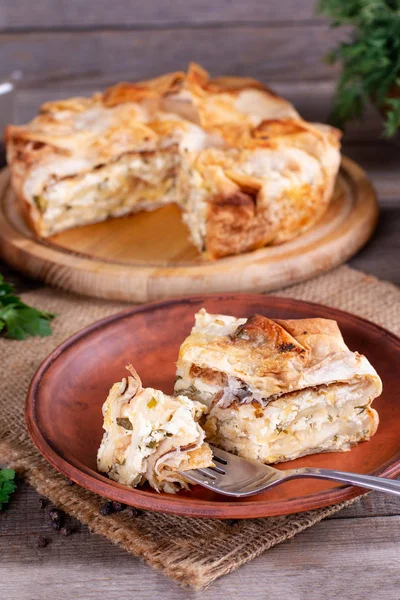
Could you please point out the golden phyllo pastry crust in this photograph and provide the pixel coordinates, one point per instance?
(241, 163)
(278, 389)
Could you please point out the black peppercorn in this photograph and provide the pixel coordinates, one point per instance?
(118, 506)
(55, 525)
(42, 542)
(42, 502)
(66, 530)
(133, 512)
(56, 518)
(106, 509)
(56, 514)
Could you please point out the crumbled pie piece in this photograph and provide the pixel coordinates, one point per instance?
(150, 436)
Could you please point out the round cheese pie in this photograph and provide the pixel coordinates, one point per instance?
(243, 166)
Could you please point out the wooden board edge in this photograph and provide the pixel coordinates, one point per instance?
(93, 277)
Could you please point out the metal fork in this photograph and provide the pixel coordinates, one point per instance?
(239, 477)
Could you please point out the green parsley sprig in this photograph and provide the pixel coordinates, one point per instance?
(370, 60)
(7, 485)
(17, 319)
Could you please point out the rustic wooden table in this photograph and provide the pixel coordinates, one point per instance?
(65, 49)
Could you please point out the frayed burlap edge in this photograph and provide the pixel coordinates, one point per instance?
(189, 551)
(241, 541)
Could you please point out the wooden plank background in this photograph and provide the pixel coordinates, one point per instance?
(78, 14)
(271, 53)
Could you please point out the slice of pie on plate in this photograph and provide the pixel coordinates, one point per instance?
(276, 389)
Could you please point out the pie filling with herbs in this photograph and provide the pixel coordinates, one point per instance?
(276, 390)
(150, 436)
(243, 166)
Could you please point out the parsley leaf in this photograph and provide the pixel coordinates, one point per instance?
(392, 117)
(7, 485)
(370, 59)
(17, 319)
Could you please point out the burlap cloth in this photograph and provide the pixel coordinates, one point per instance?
(190, 551)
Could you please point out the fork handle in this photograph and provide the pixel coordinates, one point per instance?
(365, 481)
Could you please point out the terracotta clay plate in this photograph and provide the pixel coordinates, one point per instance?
(63, 409)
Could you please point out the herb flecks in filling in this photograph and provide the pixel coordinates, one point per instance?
(362, 408)
(125, 423)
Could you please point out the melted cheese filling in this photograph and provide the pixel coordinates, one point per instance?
(324, 420)
(132, 183)
(150, 437)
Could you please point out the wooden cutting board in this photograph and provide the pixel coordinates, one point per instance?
(148, 256)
